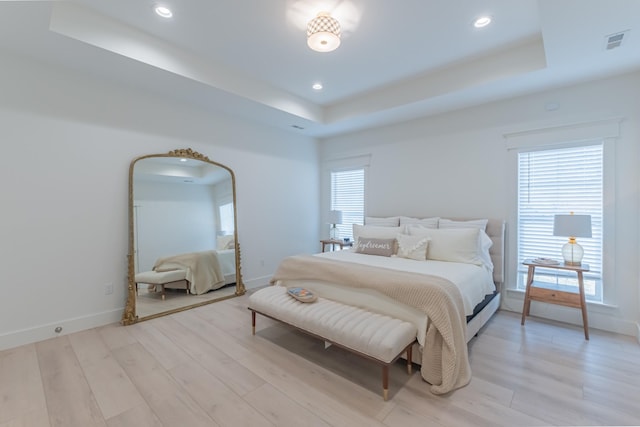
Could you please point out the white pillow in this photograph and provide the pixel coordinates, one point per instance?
(454, 245)
(425, 222)
(412, 247)
(484, 241)
(392, 221)
(225, 242)
(375, 232)
(474, 223)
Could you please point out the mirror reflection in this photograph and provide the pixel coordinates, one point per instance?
(183, 249)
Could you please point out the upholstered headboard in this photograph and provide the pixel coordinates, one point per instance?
(496, 229)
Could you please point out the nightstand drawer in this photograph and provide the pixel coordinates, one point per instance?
(553, 296)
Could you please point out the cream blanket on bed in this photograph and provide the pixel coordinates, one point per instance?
(203, 269)
(445, 359)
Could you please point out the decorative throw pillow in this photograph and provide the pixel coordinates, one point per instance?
(371, 246)
(302, 294)
(412, 247)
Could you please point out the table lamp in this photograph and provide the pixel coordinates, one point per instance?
(572, 226)
(335, 217)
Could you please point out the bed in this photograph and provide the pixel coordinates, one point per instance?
(227, 260)
(449, 293)
(203, 271)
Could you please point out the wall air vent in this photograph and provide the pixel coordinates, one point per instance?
(615, 40)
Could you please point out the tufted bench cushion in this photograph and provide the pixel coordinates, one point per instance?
(375, 336)
(161, 278)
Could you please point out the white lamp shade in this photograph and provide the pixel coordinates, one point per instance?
(335, 217)
(572, 225)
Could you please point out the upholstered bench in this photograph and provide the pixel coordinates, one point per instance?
(373, 336)
(161, 278)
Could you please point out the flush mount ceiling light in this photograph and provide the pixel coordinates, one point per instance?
(163, 11)
(482, 21)
(323, 33)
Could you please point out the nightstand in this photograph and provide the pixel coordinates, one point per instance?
(553, 296)
(333, 243)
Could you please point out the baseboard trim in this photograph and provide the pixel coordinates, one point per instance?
(600, 316)
(256, 282)
(46, 331)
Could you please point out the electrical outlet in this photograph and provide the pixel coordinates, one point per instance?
(108, 288)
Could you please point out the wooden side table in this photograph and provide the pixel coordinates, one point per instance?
(553, 296)
(333, 243)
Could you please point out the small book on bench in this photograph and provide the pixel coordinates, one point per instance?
(302, 294)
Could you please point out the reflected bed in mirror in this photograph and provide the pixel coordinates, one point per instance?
(183, 239)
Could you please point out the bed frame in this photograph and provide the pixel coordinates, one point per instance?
(496, 230)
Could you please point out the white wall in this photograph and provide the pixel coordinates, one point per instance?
(67, 142)
(457, 164)
(170, 219)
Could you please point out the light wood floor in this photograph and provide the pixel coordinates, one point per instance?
(204, 368)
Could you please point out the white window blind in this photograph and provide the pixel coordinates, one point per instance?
(226, 219)
(347, 195)
(560, 181)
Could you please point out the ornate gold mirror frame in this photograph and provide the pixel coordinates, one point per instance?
(130, 315)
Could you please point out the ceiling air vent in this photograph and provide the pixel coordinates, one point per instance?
(613, 41)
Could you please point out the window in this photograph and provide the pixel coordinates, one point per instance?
(560, 181)
(226, 219)
(347, 195)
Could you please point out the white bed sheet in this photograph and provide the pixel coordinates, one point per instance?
(227, 260)
(474, 283)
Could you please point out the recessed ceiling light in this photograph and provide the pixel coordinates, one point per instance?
(183, 160)
(482, 21)
(317, 86)
(164, 11)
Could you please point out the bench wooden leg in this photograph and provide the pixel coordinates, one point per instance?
(409, 357)
(162, 292)
(253, 323)
(385, 382)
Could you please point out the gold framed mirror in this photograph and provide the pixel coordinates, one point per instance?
(183, 236)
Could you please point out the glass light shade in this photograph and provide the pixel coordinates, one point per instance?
(572, 252)
(323, 33)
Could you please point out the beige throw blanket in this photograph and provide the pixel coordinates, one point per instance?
(445, 359)
(203, 269)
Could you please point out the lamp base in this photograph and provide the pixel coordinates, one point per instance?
(572, 253)
(333, 233)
